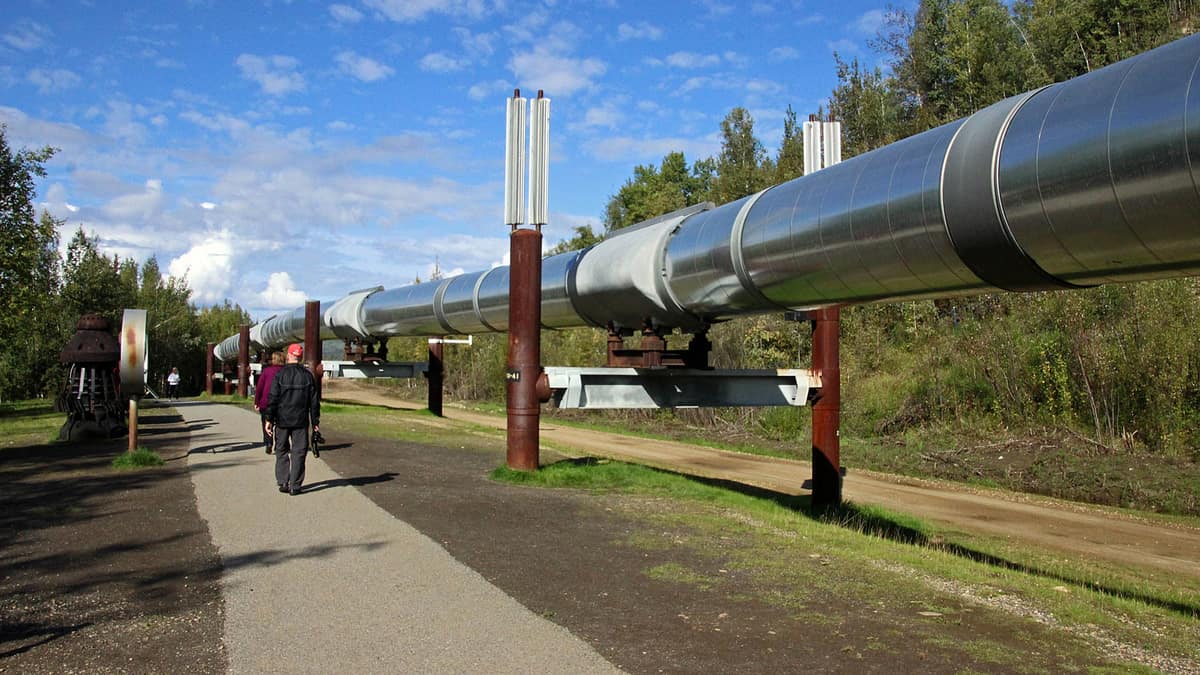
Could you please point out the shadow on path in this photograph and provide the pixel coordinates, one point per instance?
(349, 482)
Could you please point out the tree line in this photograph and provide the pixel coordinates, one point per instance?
(1119, 363)
(43, 293)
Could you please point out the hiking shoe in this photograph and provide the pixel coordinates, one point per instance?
(294, 491)
(283, 488)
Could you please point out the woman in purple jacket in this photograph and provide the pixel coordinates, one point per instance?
(263, 388)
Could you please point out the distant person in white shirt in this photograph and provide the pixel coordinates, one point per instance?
(173, 384)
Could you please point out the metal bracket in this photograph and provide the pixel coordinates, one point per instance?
(679, 387)
(371, 369)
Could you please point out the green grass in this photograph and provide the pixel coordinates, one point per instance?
(893, 558)
(136, 459)
(29, 423)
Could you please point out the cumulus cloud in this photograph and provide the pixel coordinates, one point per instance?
(638, 31)
(49, 81)
(630, 149)
(869, 23)
(26, 35)
(275, 74)
(412, 11)
(692, 60)
(345, 14)
(780, 54)
(208, 265)
(439, 62)
(483, 90)
(362, 68)
(281, 293)
(557, 74)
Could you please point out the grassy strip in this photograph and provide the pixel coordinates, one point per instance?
(139, 458)
(29, 423)
(896, 557)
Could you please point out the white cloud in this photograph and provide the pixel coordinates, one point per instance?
(780, 54)
(281, 293)
(411, 11)
(639, 31)
(26, 35)
(607, 116)
(275, 74)
(629, 149)
(558, 75)
(51, 81)
(869, 23)
(843, 47)
(483, 90)
(363, 68)
(208, 265)
(439, 62)
(345, 14)
(692, 60)
(476, 45)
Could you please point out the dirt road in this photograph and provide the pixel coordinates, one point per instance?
(1062, 526)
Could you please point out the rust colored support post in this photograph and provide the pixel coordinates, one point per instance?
(524, 347)
(434, 375)
(312, 341)
(208, 377)
(133, 422)
(243, 359)
(827, 410)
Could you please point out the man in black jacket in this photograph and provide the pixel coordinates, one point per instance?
(292, 406)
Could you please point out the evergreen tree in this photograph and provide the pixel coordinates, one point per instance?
(28, 277)
(740, 165)
(654, 191)
(868, 107)
(584, 237)
(789, 163)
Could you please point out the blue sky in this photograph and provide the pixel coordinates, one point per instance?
(282, 150)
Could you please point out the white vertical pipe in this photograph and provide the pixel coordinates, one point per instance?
(812, 148)
(833, 150)
(514, 162)
(539, 162)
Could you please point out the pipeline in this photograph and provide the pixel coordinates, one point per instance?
(1080, 183)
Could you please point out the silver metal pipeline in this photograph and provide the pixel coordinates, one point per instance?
(1080, 183)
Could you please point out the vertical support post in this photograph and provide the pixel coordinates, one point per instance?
(133, 422)
(208, 376)
(524, 348)
(826, 411)
(312, 341)
(243, 359)
(434, 375)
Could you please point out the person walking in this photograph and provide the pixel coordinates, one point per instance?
(262, 389)
(173, 384)
(292, 406)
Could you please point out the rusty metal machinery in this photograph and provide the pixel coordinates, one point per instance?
(91, 396)
(1084, 182)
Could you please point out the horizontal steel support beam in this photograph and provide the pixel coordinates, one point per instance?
(679, 388)
(367, 369)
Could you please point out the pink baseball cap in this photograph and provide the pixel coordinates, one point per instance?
(296, 350)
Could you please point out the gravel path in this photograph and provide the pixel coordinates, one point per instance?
(300, 572)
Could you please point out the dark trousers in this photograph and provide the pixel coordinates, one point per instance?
(291, 448)
(268, 442)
